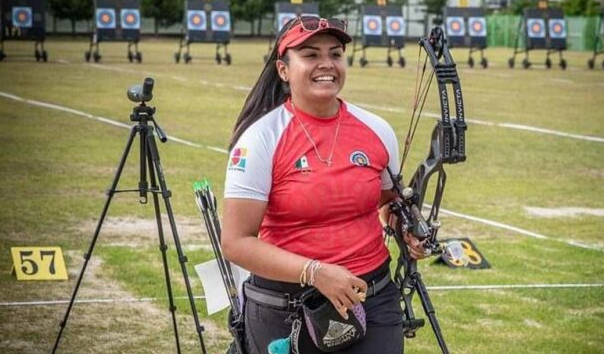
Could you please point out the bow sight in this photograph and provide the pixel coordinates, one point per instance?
(447, 146)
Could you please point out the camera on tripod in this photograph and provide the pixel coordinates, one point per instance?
(144, 93)
(143, 113)
(141, 94)
(151, 181)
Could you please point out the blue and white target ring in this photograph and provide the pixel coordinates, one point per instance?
(477, 26)
(221, 21)
(395, 26)
(22, 16)
(283, 19)
(557, 28)
(456, 26)
(535, 27)
(131, 19)
(105, 18)
(196, 20)
(372, 25)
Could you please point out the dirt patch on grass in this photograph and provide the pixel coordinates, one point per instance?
(115, 327)
(136, 232)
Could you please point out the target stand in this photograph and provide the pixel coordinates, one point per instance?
(196, 29)
(598, 41)
(23, 20)
(286, 11)
(382, 26)
(541, 29)
(466, 27)
(110, 27)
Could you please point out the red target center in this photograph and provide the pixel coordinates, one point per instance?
(557, 28)
(196, 20)
(220, 20)
(130, 18)
(22, 17)
(477, 26)
(536, 28)
(105, 18)
(395, 26)
(372, 25)
(456, 26)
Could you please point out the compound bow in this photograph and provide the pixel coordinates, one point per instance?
(447, 146)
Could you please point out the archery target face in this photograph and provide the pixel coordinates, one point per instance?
(131, 19)
(221, 21)
(395, 26)
(557, 28)
(536, 27)
(22, 16)
(372, 25)
(455, 26)
(105, 18)
(196, 20)
(477, 26)
(284, 18)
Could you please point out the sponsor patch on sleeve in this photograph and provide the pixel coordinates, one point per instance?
(238, 159)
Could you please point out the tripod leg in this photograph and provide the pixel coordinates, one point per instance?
(163, 248)
(88, 254)
(166, 194)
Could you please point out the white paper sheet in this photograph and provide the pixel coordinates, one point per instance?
(213, 286)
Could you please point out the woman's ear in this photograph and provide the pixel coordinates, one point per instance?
(282, 70)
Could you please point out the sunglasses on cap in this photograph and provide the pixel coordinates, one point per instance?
(302, 28)
(314, 23)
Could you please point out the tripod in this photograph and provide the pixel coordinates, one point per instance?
(149, 158)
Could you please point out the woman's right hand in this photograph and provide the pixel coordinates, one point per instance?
(340, 286)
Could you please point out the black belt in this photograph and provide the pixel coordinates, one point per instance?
(284, 301)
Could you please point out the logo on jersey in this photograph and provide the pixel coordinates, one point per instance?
(359, 158)
(302, 164)
(238, 159)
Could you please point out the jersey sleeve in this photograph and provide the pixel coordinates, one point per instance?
(249, 169)
(391, 143)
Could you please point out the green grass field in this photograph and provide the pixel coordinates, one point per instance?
(55, 165)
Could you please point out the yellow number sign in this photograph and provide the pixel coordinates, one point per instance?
(38, 263)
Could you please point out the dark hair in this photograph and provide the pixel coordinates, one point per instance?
(268, 92)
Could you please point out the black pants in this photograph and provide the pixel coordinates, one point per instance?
(264, 324)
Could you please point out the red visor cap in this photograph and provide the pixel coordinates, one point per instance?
(297, 35)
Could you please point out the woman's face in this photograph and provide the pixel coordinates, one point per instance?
(316, 69)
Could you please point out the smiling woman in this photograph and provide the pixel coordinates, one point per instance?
(306, 177)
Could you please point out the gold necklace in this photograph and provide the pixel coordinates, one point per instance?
(328, 160)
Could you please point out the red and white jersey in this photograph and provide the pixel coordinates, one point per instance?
(320, 211)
